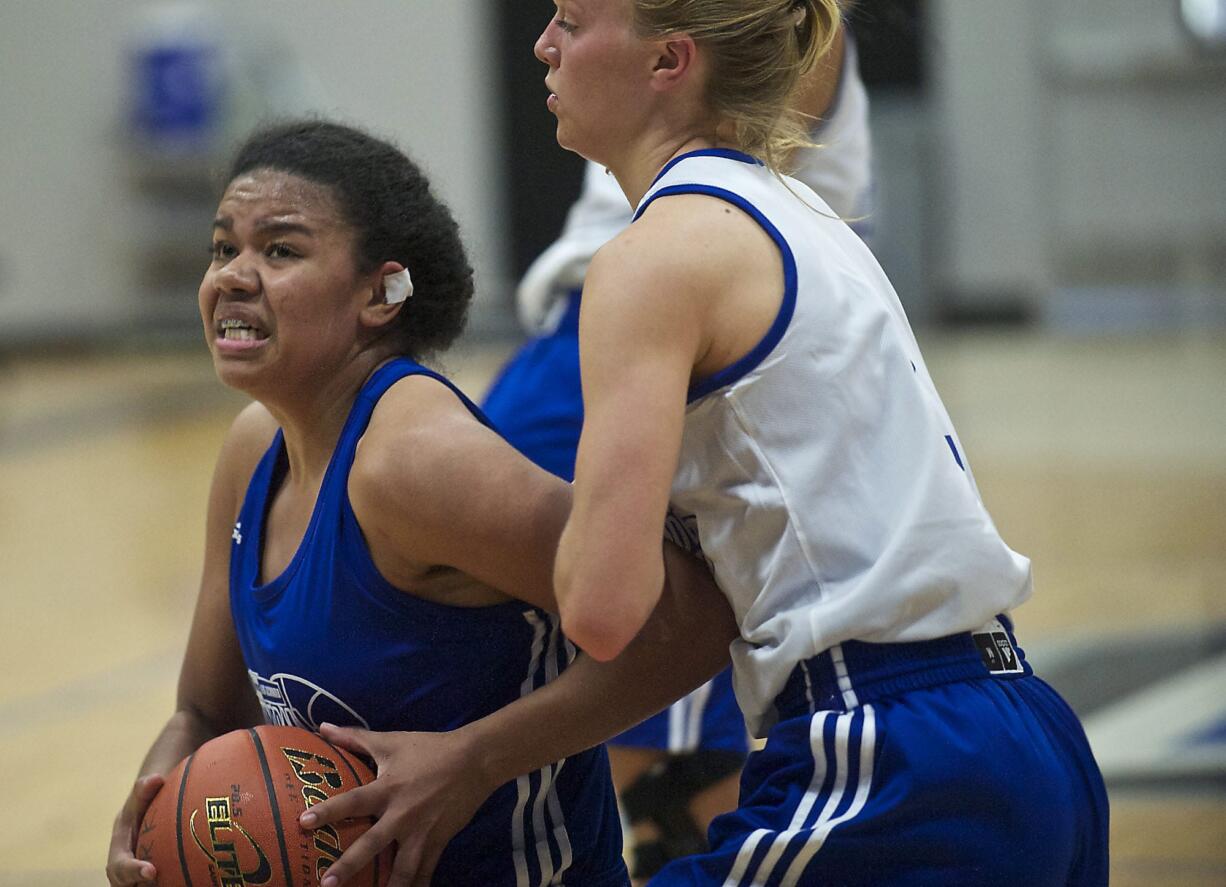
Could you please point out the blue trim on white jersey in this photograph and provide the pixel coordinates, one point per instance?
(953, 448)
(726, 153)
(741, 368)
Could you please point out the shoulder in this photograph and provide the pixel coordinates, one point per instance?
(244, 445)
(669, 272)
(253, 425)
(416, 416)
(681, 227)
(432, 485)
(687, 241)
(246, 441)
(419, 434)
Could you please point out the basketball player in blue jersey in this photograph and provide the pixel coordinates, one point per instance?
(749, 374)
(680, 768)
(376, 556)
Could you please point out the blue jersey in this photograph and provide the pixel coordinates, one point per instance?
(331, 640)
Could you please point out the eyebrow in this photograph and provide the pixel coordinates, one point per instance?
(267, 226)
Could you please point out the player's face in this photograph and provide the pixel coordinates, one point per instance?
(599, 69)
(281, 296)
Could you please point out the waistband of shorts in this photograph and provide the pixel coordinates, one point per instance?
(854, 673)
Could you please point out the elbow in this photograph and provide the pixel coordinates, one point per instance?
(599, 633)
(603, 606)
(602, 619)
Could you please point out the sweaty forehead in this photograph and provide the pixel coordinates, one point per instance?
(269, 192)
(616, 9)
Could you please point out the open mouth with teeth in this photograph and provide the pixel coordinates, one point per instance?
(239, 331)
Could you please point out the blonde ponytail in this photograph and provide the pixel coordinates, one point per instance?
(759, 50)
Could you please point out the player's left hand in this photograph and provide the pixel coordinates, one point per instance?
(427, 789)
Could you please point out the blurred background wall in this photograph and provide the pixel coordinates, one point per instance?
(1081, 155)
(1040, 160)
(105, 221)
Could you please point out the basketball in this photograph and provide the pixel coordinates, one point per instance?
(228, 814)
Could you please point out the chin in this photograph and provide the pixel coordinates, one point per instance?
(574, 143)
(233, 374)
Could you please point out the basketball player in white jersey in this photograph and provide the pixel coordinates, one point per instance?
(746, 362)
(680, 768)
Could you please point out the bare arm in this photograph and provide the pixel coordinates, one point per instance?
(640, 336)
(214, 695)
(689, 289)
(431, 784)
(432, 486)
(683, 644)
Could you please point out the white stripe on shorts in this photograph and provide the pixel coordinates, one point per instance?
(741, 867)
(534, 832)
(549, 793)
(560, 834)
(825, 825)
(523, 785)
(826, 820)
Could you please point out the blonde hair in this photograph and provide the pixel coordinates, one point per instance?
(759, 51)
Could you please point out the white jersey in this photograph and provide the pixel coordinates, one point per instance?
(840, 169)
(821, 473)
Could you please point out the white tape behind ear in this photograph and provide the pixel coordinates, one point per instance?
(397, 287)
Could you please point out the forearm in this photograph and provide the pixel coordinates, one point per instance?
(183, 733)
(431, 784)
(684, 644)
(606, 590)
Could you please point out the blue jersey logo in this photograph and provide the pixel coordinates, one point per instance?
(291, 701)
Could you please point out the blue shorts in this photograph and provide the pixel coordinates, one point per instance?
(937, 773)
(537, 404)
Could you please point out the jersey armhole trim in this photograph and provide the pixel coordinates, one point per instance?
(734, 372)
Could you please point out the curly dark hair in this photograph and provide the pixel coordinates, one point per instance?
(388, 202)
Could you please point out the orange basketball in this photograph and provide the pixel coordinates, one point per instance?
(228, 814)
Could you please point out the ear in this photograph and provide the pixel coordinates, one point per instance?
(675, 62)
(377, 311)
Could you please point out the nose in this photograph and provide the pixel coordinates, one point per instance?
(545, 50)
(237, 278)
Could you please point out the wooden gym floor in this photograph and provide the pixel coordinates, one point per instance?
(1104, 460)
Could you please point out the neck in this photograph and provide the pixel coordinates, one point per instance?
(638, 166)
(636, 173)
(312, 418)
